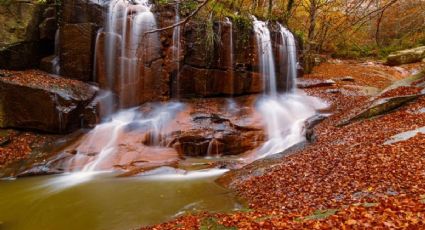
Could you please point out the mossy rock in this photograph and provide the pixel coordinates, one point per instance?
(19, 34)
(406, 56)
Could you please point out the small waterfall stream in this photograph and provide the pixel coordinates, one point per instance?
(127, 46)
(290, 49)
(230, 57)
(177, 47)
(283, 114)
(265, 56)
(56, 59)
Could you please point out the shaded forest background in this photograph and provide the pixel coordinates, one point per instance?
(343, 28)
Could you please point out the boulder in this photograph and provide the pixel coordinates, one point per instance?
(77, 43)
(406, 56)
(48, 28)
(50, 64)
(211, 135)
(313, 83)
(35, 100)
(19, 34)
(379, 107)
(394, 96)
(84, 11)
(19, 55)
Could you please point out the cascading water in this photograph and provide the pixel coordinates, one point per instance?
(177, 47)
(290, 49)
(230, 56)
(265, 56)
(284, 115)
(56, 59)
(105, 138)
(127, 47)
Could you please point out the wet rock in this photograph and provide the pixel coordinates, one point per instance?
(333, 91)
(19, 36)
(198, 82)
(212, 135)
(379, 107)
(313, 83)
(50, 64)
(406, 56)
(82, 11)
(48, 28)
(347, 78)
(385, 101)
(310, 124)
(39, 170)
(101, 64)
(38, 101)
(4, 141)
(77, 50)
(404, 136)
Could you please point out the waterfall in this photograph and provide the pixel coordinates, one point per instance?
(126, 47)
(105, 139)
(265, 56)
(291, 56)
(230, 61)
(125, 135)
(177, 48)
(56, 59)
(283, 114)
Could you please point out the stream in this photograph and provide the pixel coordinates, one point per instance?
(107, 202)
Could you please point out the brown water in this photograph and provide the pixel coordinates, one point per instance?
(105, 201)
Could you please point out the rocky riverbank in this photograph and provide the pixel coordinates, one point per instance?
(367, 172)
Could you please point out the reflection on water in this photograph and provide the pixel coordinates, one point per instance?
(106, 202)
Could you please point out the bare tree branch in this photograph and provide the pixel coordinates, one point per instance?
(182, 22)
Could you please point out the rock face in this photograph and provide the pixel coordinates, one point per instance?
(211, 135)
(34, 100)
(19, 35)
(77, 50)
(80, 21)
(211, 67)
(393, 97)
(84, 11)
(406, 56)
(217, 57)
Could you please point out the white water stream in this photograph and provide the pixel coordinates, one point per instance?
(283, 114)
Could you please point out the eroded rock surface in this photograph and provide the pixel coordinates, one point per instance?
(19, 36)
(406, 56)
(34, 100)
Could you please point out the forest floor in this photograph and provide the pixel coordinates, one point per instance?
(354, 176)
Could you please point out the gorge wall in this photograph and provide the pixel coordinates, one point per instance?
(216, 56)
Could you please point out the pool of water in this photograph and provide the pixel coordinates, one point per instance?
(104, 201)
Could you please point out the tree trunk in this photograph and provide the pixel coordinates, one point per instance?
(270, 8)
(312, 25)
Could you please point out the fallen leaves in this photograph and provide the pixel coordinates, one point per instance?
(393, 212)
(17, 147)
(348, 170)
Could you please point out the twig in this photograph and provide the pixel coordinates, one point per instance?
(182, 22)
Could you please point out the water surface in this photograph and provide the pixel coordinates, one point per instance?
(104, 201)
